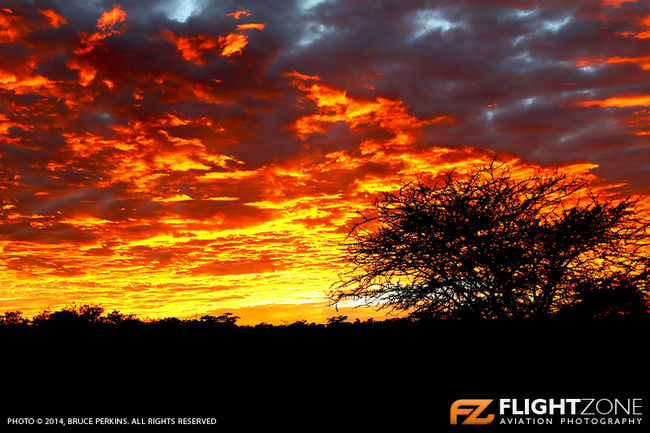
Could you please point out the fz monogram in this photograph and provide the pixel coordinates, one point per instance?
(472, 409)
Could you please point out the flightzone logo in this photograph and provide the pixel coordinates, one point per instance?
(471, 409)
(545, 411)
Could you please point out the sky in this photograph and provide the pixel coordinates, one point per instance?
(181, 158)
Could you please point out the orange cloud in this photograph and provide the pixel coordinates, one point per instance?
(22, 85)
(232, 44)
(110, 18)
(296, 74)
(87, 72)
(618, 101)
(638, 123)
(336, 106)
(251, 26)
(194, 48)
(238, 14)
(639, 34)
(55, 19)
(106, 27)
(616, 3)
(643, 62)
(6, 123)
(12, 26)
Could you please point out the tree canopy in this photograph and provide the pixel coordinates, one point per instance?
(495, 245)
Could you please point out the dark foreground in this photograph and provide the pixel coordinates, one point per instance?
(343, 378)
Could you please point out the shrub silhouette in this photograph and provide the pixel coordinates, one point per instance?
(336, 320)
(493, 245)
(226, 319)
(90, 313)
(71, 316)
(13, 319)
(611, 297)
(119, 319)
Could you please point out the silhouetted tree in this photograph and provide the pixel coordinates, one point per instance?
(335, 320)
(117, 318)
(615, 295)
(226, 319)
(71, 316)
(496, 245)
(167, 322)
(90, 313)
(298, 324)
(13, 319)
(41, 318)
(75, 316)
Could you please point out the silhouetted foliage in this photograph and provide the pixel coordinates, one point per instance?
(92, 315)
(298, 324)
(613, 296)
(117, 318)
(335, 320)
(167, 322)
(41, 318)
(13, 319)
(226, 319)
(71, 316)
(493, 245)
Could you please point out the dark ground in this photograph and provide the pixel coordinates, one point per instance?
(341, 378)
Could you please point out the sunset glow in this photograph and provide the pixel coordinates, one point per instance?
(177, 168)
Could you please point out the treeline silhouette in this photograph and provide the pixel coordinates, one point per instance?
(93, 315)
(89, 316)
(300, 373)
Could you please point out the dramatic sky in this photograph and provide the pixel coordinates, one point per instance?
(188, 157)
